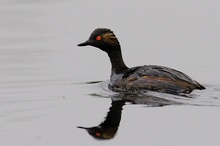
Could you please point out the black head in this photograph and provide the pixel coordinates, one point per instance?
(102, 38)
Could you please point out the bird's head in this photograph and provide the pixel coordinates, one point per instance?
(103, 39)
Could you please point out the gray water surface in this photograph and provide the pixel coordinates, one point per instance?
(46, 81)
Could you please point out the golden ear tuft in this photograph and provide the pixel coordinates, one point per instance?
(110, 38)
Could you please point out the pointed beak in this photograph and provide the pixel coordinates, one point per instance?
(82, 127)
(86, 43)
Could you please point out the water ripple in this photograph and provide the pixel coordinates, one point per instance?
(207, 97)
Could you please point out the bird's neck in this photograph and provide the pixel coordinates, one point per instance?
(117, 61)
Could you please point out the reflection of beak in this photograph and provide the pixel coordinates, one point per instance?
(86, 43)
(82, 127)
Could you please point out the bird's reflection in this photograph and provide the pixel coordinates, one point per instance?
(109, 127)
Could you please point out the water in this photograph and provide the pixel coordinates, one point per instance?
(46, 81)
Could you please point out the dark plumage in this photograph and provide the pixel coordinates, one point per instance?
(147, 77)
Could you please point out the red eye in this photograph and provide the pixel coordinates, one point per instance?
(98, 38)
(98, 134)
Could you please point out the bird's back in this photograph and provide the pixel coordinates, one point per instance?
(156, 78)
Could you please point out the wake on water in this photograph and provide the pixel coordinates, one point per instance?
(208, 97)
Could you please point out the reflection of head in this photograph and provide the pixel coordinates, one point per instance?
(108, 128)
(101, 133)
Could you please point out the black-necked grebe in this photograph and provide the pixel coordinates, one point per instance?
(147, 77)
